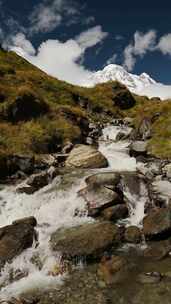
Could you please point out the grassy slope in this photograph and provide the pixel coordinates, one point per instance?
(67, 108)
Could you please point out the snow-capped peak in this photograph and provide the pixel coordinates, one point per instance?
(116, 72)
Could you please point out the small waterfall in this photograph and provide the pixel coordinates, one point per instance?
(117, 152)
(54, 206)
(137, 197)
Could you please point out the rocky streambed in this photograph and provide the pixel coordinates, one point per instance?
(97, 230)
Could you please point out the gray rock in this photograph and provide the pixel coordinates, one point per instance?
(88, 240)
(138, 148)
(83, 156)
(157, 224)
(99, 198)
(15, 238)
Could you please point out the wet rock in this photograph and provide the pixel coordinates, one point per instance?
(46, 160)
(83, 156)
(133, 235)
(11, 164)
(103, 179)
(157, 224)
(99, 198)
(88, 240)
(15, 238)
(122, 136)
(40, 180)
(149, 278)
(22, 163)
(167, 170)
(26, 106)
(67, 148)
(138, 148)
(115, 213)
(158, 251)
(27, 190)
(109, 266)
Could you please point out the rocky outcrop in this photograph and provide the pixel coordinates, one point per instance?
(10, 164)
(138, 148)
(83, 156)
(157, 224)
(88, 241)
(15, 238)
(143, 130)
(122, 97)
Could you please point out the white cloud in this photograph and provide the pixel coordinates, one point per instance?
(91, 37)
(21, 42)
(164, 44)
(141, 44)
(112, 59)
(157, 90)
(50, 14)
(61, 59)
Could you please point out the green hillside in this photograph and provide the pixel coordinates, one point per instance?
(39, 113)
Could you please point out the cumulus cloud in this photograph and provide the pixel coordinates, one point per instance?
(21, 42)
(49, 14)
(142, 43)
(61, 59)
(91, 37)
(164, 44)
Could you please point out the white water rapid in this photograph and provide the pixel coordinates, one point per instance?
(54, 206)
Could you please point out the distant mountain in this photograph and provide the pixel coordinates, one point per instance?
(134, 83)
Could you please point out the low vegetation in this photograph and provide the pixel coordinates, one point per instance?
(39, 113)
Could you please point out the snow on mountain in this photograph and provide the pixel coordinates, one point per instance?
(114, 72)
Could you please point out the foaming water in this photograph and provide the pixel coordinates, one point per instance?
(136, 204)
(54, 206)
(116, 152)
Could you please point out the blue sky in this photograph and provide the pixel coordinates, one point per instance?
(131, 33)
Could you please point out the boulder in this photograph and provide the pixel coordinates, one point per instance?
(167, 170)
(20, 163)
(138, 148)
(99, 198)
(26, 106)
(115, 213)
(15, 238)
(88, 240)
(133, 235)
(157, 224)
(158, 251)
(103, 179)
(109, 266)
(38, 181)
(83, 156)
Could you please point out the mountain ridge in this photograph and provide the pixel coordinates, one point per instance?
(114, 72)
